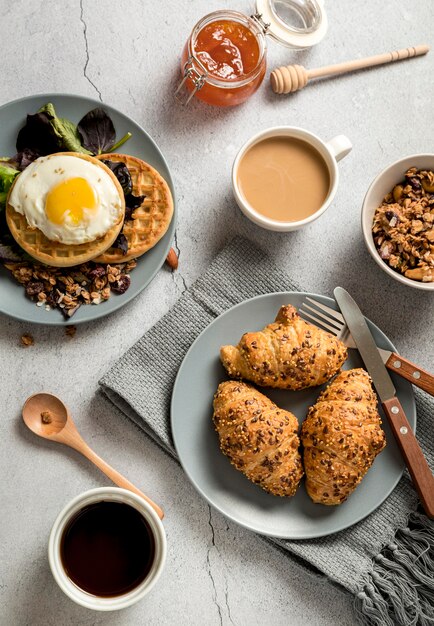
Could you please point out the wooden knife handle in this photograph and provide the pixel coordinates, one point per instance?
(408, 370)
(423, 478)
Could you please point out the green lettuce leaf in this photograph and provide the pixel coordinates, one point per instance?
(71, 138)
(65, 131)
(7, 177)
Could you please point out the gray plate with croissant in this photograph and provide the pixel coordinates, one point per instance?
(277, 424)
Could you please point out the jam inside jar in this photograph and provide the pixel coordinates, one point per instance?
(224, 61)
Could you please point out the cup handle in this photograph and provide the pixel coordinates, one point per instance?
(339, 146)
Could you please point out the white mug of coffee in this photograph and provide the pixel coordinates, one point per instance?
(286, 177)
(107, 549)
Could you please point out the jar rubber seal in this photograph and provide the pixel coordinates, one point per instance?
(293, 23)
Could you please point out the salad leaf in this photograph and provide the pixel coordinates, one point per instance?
(9, 250)
(45, 133)
(7, 177)
(64, 130)
(132, 202)
(37, 135)
(121, 243)
(11, 253)
(71, 138)
(22, 159)
(97, 131)
(122, 173)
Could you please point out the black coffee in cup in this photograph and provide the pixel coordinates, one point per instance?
(107, 548)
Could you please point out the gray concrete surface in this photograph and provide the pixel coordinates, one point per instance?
(127, 54)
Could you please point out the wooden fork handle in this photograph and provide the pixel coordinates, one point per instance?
(115, 477)
(411, 372)
(423, 478)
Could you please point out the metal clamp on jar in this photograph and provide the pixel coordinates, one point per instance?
(224, 60)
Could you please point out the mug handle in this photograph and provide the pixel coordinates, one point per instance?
(339, 146)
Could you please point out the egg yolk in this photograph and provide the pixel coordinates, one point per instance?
(70, 198)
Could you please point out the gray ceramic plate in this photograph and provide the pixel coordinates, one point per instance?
(13, 300)
(227, 489)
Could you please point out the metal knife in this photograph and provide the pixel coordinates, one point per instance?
(418, 467)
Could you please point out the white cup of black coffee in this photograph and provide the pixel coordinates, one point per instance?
(107, 549)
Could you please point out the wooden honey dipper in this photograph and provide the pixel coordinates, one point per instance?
(290, 78)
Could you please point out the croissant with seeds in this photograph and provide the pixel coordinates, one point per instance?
(289, 354)
(341, 436)
(258, 437)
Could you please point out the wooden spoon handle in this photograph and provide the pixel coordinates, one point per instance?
(411, 372)
(114, 476)
(417, 464)
(358, 64)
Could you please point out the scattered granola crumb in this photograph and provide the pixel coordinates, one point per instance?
(46, 417)
(27, 340)
(70, 331)
(172, 259)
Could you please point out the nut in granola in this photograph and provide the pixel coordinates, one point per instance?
(27, 340)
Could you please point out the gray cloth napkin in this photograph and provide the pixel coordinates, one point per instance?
(386, 560)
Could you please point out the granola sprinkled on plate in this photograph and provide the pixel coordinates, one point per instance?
(68, 288)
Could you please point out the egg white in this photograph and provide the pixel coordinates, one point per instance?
(32, 186)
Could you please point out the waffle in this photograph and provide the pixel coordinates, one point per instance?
(35, 243)
(150, 221)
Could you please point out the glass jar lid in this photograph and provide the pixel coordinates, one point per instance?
(293, 23)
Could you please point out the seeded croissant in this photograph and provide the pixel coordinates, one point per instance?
(341, 437)
(288, 354)
(259, 438)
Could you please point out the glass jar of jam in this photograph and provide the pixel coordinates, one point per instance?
(224, 60)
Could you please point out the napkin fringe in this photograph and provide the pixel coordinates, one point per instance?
(400, 587)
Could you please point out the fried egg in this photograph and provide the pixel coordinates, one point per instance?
(70, 199)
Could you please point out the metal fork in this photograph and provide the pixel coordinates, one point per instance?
(327, 318)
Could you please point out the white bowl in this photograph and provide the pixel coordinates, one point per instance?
(331, 151)
(380, 187)
(112, 494)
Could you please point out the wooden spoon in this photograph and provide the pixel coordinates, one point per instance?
(48, 417)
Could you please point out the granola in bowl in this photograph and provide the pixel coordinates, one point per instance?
(403, 226)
